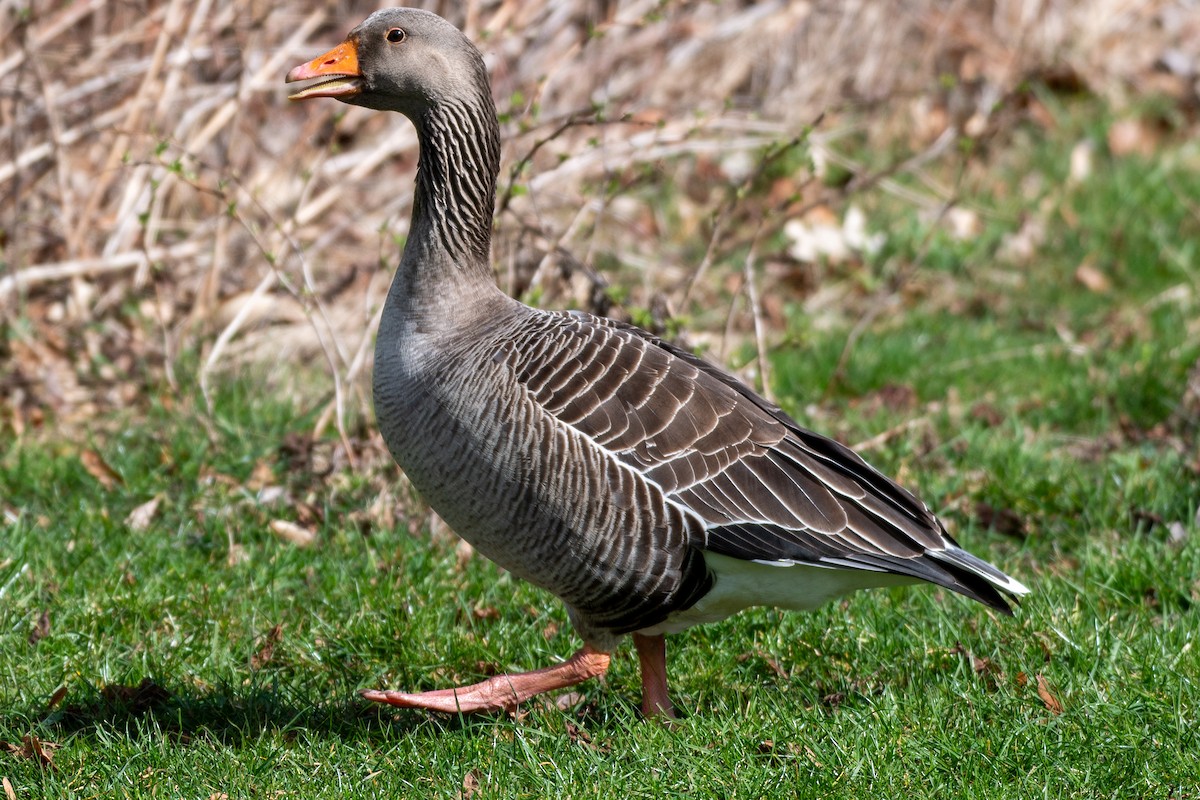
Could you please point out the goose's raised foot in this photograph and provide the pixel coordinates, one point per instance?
(500, 692)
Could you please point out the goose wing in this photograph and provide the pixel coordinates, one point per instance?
(766, 489)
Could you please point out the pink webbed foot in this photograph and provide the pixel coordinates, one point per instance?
(501, 692)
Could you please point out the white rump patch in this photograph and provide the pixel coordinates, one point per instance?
(740, 584)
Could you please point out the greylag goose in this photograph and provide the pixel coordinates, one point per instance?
(648, 489)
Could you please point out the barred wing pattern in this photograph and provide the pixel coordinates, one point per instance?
(765, 489)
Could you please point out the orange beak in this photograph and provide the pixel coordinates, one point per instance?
(340, 65)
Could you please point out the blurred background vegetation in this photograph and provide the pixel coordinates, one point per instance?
(163, 201)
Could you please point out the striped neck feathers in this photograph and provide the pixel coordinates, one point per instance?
(456, 181)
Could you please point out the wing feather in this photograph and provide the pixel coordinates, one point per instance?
(764, 488)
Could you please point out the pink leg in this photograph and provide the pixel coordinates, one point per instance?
(501, 692)
(652, 653)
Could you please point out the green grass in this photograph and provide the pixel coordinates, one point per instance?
(1041, 399)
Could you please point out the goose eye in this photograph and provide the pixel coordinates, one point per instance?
(396, 35)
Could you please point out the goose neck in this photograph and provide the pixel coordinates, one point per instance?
(456, 183)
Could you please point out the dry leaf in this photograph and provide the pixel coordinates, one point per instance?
(578, 734)
(8, 789)
(140, 518)
(307, 513)
(981, 665)
(985, 412)
(42, 752)
(57, 697)
(272, 495)
(34, 748)
(1128, 136)
(293, 533)
(833, 699)
(99, 469)
(41, 629)
(1023, 245)
(567, 700)
(821, 235)
(237, 554)
(463, 551)
(210, 476)
(965, 224)
(262, 476)
(267, 651)
(1082, 158)
(1092, 278)
(470, 785)
(1051, 702)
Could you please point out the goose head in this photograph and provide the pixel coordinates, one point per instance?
(398, 59)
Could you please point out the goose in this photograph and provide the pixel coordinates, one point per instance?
(645, 487)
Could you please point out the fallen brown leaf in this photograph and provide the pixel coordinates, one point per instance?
(1052, 703)
(211, 476)
(293, 533)
(986, 413)
(307, 513)
(272, 495)
(485, 612)
(470, 785)
(99, 469)
(267, 651)
(140, 518)
(41, 628)
(263, 475)
(57, 697)
(773, 664)
(32, 747)
(1133, 136)
(568, 700)
(579, 735)
(9, 792)
(237, 554)
(980, 665)
(1093, 279)
(463, 552)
